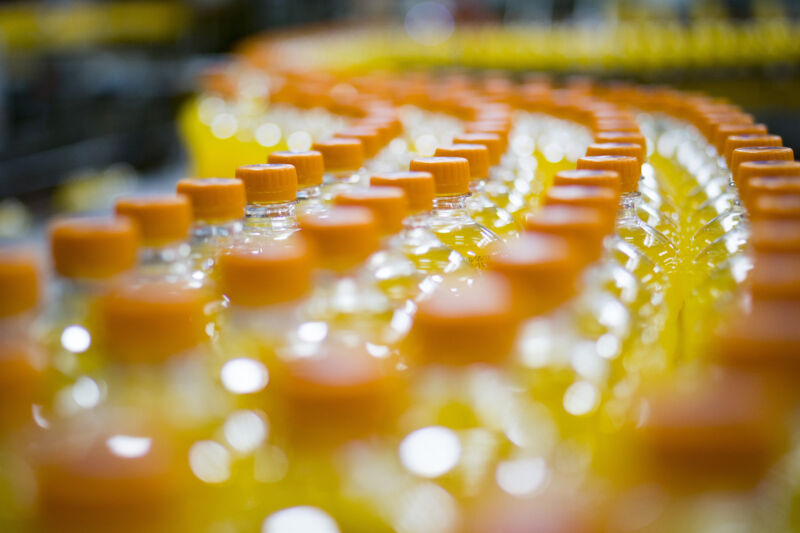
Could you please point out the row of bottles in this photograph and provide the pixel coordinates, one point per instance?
(468, 305)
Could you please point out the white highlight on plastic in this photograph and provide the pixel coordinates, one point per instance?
(520, 477)
(301, 519)
(580, 398)
(244, 376)
(224, 125)
(245, 431)
(210, 461)
(128, 446)
(86, 392)
(299, 141)
(76, 339)
(268, 134)
(430, 452)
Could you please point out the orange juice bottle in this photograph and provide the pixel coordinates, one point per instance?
(271, 190)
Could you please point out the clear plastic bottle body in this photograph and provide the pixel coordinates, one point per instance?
(717, 228)
(450, 222)
(351, 303)
(335, 182)
(206, 240)
(272, 221)
(171, 263)
(632, 229)
(428, 254)
(309, 201)
(488, 214)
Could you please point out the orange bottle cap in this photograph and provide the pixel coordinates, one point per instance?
(501, 129)
(214, 199)
(715, 428)
(765, 340)
(476, 154)
(84, 464)
(542, 271)
(749, 139)
(583, 227)
(341, 154)
(450, 174)
(607, 179)
(152, 321)
(93, 248)
(627, 167)
(273, 273)
(775, 206)
(369, 137)
(472, 325)
(616, 125)
(383, 129)
(342, 391)
(776, 276)
(388, 205)
(162, 219)
(618, 148)
(343, 238)
(419, 187)
(772, 185)
(620, 137)
(723, 131)
(309, 166)
(491, 141)
(775, 235)
(19, 281)
(779, 164)
(759, 153)
(269, 183)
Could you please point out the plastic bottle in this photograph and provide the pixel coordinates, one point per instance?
(266, 287)
(344, 162)
(309, 167)
(346, 299)
(88, 254)
(479, 205)
(629, 226)
(271, 190)
(396, 275)
(645, 210)
(457, 350)
(450, 219)
(416, 239)
(501, 184)
(163, 222)
(22, 361)
(217, 208)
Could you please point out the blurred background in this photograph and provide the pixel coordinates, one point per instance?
(90, 91)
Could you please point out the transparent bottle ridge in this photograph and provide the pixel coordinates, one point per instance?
(450, 219)
(218, 206)
(720, 183)
(271, 190)
(479, 205)
(309, 167)
(726, 209)
(163, 222)
(731, 226)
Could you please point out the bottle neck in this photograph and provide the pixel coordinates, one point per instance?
(308, 193)
(262, 211)
(450, 203)
(628, 204)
